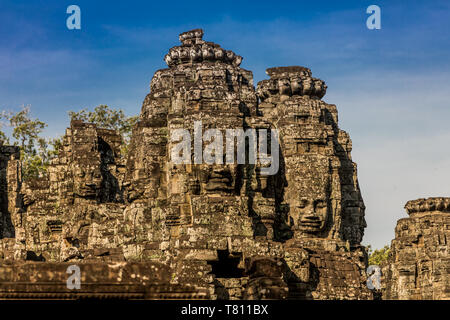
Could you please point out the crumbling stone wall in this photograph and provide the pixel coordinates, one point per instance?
(418, 265)
(74, 212)
(10, 172)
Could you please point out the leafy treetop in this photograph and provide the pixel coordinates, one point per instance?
(378, 256)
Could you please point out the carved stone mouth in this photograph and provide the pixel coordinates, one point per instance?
(218, 184)
(310, 225)
(220, 177)
(220, 180)
(88, 191)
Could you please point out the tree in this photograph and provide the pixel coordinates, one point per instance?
(376, 257)
(26, 133)
(56, 144)
(3, 137)
(36, 151)
(105, 117)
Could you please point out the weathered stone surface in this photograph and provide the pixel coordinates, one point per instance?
(419, 262)
(225, 229)
(77, 208)
(123, 280)
(9, 190)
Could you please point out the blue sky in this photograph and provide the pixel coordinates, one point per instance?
(391, 86)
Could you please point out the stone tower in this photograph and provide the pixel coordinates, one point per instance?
(418, 265)
(217, 221)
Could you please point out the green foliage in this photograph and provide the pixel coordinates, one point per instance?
(3, 137)
(56, 144)
(36, 152)
(108, 118)
(105, 117)
(33, 166)
(377, 256)
(26, 133)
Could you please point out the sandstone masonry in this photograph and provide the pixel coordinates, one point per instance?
(196, 231)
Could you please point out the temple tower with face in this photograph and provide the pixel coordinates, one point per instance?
(205, 212)
(214, 221)
(318, 190)
(418, 264)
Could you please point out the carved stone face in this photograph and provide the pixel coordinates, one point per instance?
(237, 61)
(308, 195)
(311, 214)
(217, 178)
(296, 85)
(218, 53)
(230, 55)
(319, 89)
(195, 53)
(307, 86)
(87, 180)
(354, 224)
(174, 54)
(168, 60)
(207, 52)
(184, 54)
(317, 85)
(198, 34)
(284, 86)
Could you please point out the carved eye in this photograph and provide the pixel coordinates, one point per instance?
(81, 174)
(320, 204)
(302, 203)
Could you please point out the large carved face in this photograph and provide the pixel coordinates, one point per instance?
(195, 53)
(311, 214)
(307, 86)
(218, 53)
(296, 85)
(354, 223)
(87, 180)
(217, 178)
(308, 194)
(284, 86)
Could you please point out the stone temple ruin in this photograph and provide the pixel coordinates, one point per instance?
(419, 263)
(145, 227)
